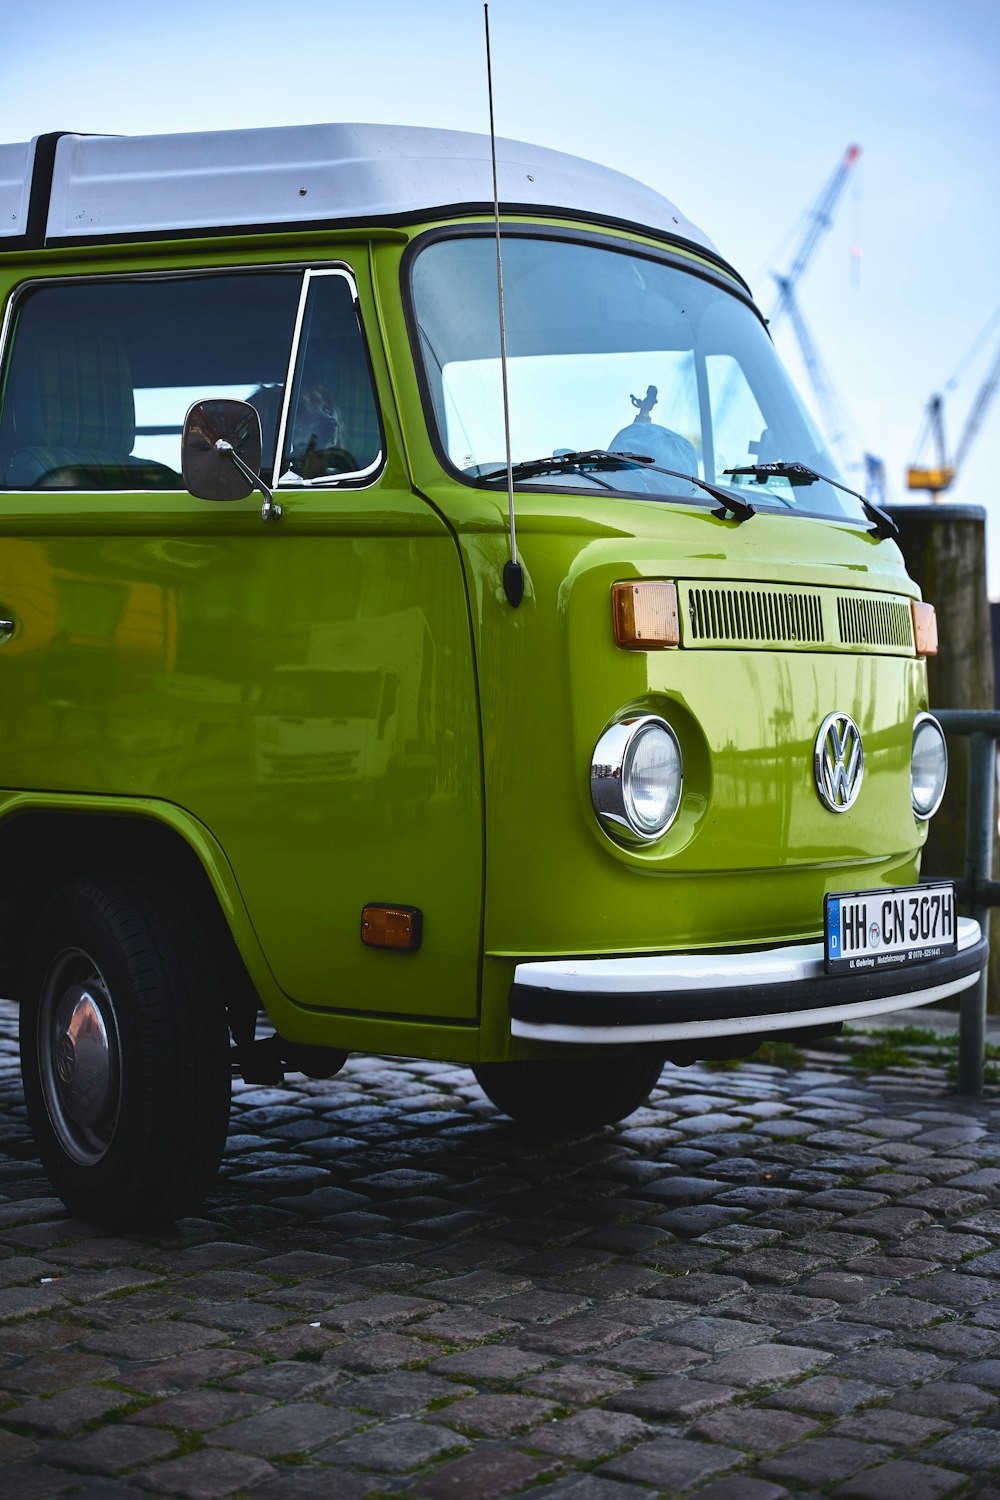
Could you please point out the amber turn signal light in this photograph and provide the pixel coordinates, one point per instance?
(925, 636)
(392, 926)
(645, 616)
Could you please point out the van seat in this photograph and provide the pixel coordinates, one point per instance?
(69, 418)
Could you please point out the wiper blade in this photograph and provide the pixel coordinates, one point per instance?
(884, 526)
(558, 463)
(601, 458)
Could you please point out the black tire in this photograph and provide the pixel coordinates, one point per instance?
(571, 1095)
(124, 1052)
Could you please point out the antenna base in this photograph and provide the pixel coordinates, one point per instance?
(513, 582)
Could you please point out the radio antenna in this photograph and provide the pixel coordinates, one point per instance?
(513, 574)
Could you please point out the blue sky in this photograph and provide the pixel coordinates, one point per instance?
(738, 111)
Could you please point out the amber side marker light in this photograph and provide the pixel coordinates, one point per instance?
(392, 927)
(925, 636)
(645, 616)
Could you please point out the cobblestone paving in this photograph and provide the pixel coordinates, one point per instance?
(766, 1283)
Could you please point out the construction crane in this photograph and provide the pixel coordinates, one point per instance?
(834, 421)
(819, 221)
(937, 477)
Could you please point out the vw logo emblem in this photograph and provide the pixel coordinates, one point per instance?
(838, 762)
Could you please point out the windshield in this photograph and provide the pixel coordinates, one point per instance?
(609, 350)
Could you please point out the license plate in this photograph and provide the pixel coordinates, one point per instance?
(882, 929)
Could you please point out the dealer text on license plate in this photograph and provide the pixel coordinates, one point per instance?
(881, 929)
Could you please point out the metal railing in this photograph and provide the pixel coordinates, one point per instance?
(977, 888)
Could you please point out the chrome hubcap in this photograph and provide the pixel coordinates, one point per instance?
(80, 1057)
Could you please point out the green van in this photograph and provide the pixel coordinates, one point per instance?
(560, 763)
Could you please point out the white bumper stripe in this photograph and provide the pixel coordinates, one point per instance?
(659, 974)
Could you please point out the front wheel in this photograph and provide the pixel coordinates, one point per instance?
(571, 1095)
(124, 1052)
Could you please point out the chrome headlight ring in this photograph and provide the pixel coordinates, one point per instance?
(928, 767)
(636, 779)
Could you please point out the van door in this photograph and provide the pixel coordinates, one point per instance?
(304, 689)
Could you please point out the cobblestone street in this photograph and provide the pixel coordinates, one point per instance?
(767, 1282)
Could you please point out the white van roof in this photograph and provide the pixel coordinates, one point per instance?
(123, 187)
(16, 165)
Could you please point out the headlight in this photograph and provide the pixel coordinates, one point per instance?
(928, 766)
(635, 779)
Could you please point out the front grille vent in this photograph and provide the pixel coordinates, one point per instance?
(793, 617)
(864, 621)
(744, 616)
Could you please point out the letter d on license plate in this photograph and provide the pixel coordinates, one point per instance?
(882, 929)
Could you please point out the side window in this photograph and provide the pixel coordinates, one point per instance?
(333, 429)
(100, 373)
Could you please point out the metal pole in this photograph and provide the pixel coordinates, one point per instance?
(978, 868)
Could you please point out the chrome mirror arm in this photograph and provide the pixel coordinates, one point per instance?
(271, 509)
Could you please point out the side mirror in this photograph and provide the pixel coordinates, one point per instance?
(220, 453)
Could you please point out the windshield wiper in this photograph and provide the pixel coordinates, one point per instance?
(884, 526)
(558, 463)
(600, 458)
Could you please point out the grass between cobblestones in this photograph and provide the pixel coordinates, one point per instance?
(878, 1048)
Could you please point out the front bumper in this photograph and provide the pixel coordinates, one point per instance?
(686, 997)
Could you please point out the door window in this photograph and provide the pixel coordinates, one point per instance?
(101, 374)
